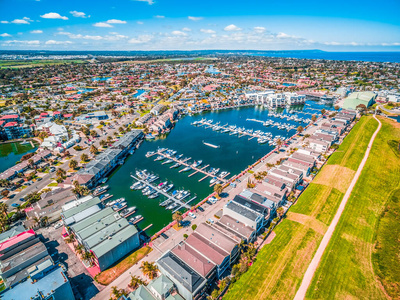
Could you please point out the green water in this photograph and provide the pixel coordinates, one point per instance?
(10, 153)
(234, 155)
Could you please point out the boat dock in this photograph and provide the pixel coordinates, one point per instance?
(119, 209)
(106, 198)
(179, 207)
(197, 170)
(138, 220)
(169, 197)
(131, 213)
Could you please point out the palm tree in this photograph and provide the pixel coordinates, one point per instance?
(4, 209)
(135, 282)
(93, 149)
(177, 217)
(84, 157)
(103, 143)
(149, 269)
(279, 142)
(44, 220)
(280, 211)
(117, 293)
(79, 249)
(60, 172)
(76, 184)
(218, 189)
(73, 164)
(300, 129)
(70, 239)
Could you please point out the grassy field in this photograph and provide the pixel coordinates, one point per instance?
(35, 63)
(109, 275)
(280, 265)
(353, 147)
(362, 259)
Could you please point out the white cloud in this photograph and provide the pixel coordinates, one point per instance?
(5, 34)
(149, 2)
(4, 22)
(186, 29)
(232, 28)
(209, 31)
(259, 29)
(195, 18)
(53, 42)
(78, 14)
(141, 39)
(102, 24)
(114, 21)
(179, 33)
(159, 17)
(53, 15)
(24, 20)
(34, 42)
(36, 31)
(140, 22)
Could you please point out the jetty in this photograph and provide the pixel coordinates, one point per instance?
(169, 197)
(179, 207)
(211, 145)
(197, 170)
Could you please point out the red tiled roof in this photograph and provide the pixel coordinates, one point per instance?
(10, 124)
(9, 117)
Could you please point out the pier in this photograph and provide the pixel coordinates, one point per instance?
(169, 197)
(197, 170)
(187, 203)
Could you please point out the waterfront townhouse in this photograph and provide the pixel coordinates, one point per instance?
(276, 100)
(252, 214)
(230, 226)
(106, 161)
(158, 109)
(100, 230)
(318, 145)
(188, 282)
(143, 120)
(196, 260)
(294, 99)
(291, 177)
(304, 169)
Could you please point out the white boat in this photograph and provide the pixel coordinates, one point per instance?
(186, 169)
(154, 195)
(127, 211)
(213, 180)
(167, 188)
(150, 153)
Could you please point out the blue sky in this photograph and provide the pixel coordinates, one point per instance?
(189, 24)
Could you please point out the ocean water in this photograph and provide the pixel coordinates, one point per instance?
(234, 155)
(348, 56)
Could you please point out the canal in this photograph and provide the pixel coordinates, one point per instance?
(10, 153)
(233, 155)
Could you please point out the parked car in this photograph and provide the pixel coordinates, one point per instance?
(200, 209)
(210, 221)
(192, 215)
(22, 199)
(58, 225)
(15, 205)
(164, 235)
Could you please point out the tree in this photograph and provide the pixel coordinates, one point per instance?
(4, 209)
(60, 172)
(84, 157)
(218, 189)
(336, 107)
(314, 118)
(323, 111)
(361, 108)
(5, 193)
(73, 164)
(149, 269)
(103, 143)
(280, 211)
(185, 236)
(70, 239)
(93, 133)
(117, 293)
(93, 149)
(279, 143)
(300, 129)
(177, 217)
(79, 249)
(135, 282)
(44, 221)
(88, 256)
(194, 227)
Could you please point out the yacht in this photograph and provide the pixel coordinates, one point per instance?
(150, 153)
(160, 157)
(168, 161)
(135, 219)
(127, 211)
(166, 202)
(186, 169)
(213, 180)
(154, 195)
(167, 188)
(175, 165)
(223, 174)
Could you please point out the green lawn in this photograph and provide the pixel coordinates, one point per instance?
(35, 63)
(280, 265)
(351, 151)
(347, 267)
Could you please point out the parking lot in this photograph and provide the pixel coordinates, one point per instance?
(83, 285)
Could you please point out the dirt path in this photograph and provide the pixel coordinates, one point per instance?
(308, 276)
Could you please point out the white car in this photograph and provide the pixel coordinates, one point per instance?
(192, 215)
(213, 200)
(211, 221)
(58, 225)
